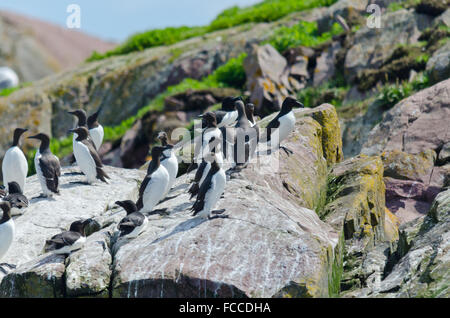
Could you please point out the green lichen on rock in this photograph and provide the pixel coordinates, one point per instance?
(404, 166)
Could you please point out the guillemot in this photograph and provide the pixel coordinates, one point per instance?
(134, 223)
(228, 115)
(15, 165)
(7, 232)
(95, 129)
(154, 186)
(250, 112)
(87, 157)
(168, 160)
(204, 167)
(47, 165)
(69, 241)
(283, 124)
(246, 137)
(16, 198)
(210, 190)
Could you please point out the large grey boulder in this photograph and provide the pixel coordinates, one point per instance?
(439, 64)
(372, 46)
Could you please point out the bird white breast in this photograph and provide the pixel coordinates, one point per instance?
(85, 161)
(138, 230)
(7, 231)
(171, 165)
(287, 125)
(15, 167)
(70, 248)
(40, 175)
(156, 189)
(97, 136)
(219, 159)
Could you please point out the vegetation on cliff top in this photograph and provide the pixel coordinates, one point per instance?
(265, 11)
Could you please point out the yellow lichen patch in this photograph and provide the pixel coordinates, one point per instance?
(391, 226)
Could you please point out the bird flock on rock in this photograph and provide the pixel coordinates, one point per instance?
(231, 132)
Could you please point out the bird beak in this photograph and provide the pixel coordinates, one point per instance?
(33, 137)
(71, 131)
(299, 105)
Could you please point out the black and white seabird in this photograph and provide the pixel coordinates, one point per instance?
(69, 241)
(210, 190)
(168, 160)
(95, 129)
(250, 112)
(246, 137)
(82, 122)
(47, 165)
(283, 124)
(205, 166)
(228, 115)
(87, 157)
(16, 198)
(134, 223)
(7, 232)
(153, 188)
(15, 165)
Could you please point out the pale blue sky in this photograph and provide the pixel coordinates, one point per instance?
(117, 19)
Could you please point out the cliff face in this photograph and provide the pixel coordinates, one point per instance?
(36, 49)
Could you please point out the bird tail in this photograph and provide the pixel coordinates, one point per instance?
(102, 175)
(193, 190)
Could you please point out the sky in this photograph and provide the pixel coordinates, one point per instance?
(115, 20)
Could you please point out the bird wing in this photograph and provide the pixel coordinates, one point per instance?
(274, 124)
(202, 194)
(51, 169)
(144, 184)
(63, 239)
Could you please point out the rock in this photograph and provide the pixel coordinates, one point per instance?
(404, 166)
(432, 7)
(371, 47)
(178, 256)
(346, 9)
(198, 100)
(423, 259)
(267, 79)
(42, 277)
(8, 78)
(444, 154)
(88, 270)
(416, 124)
(45, 218)
(443, 19)
(439, 64)
(325, 68)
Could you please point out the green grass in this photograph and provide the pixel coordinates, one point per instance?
(8, 91)
(265, 11)
(303, 33)
(392, 94)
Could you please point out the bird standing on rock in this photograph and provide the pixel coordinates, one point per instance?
(134, 223)
(82, 122)
(210, 190)
(16, 198)
(7, 232)
(47, 165)
(168, 160)
(250, 112)
(246, 137)
(87, 157)
(154, 186)
(15, 165)
(95, 129)
(69, 241)
(228, 115)
(282, 125)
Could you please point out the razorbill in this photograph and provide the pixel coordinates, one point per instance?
(210, 190)
(69, 241)
(168, 160)
(7, 231)
(15, 165)
(204, 167)
(283, 124)
(211, 130)
(95, 129)
(16, 198)
(154, 186)
(47, 166)
(87, 157)
(134, 223)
